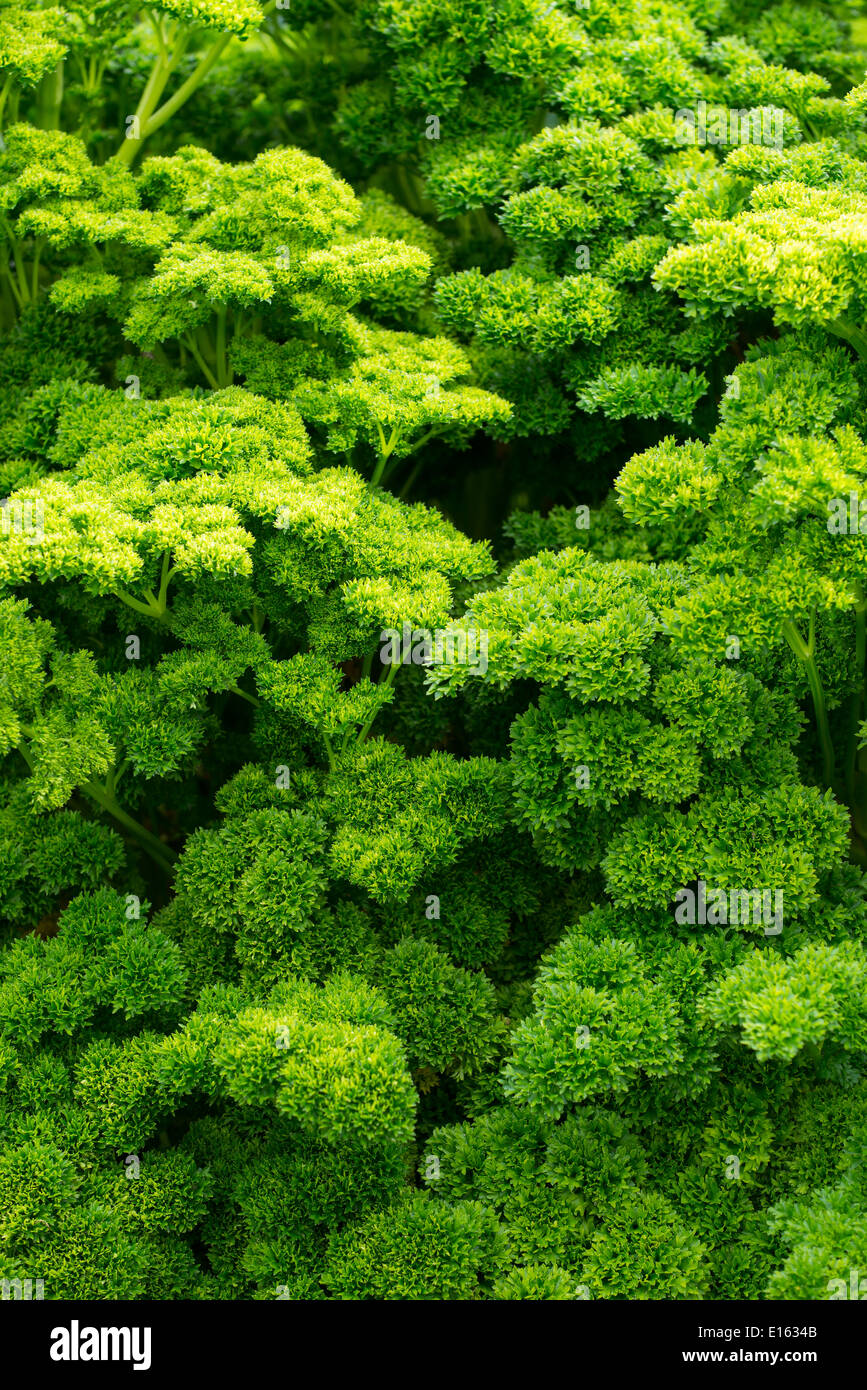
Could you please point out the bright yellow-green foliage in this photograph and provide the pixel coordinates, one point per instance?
(433, 643)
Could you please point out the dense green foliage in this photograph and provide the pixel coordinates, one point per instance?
(433, 643)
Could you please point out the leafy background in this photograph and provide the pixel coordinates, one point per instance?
(327, 979)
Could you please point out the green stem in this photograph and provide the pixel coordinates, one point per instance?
(332, 761)
(156, 605)
(166, 575)
(154, 88)
(186, 89)
(4, 94)
(805, 652)
(21, 273)
(16, 293)
(222, 364)
(159, 852)
(25, 753)
(395, 463)
(856, 784)
(34, 278)
(852, 334)
(104, 796)
(50, 98)
(206, 345)
(386, 449)
(387, 683)
(10, 306)
(146, 608)
(386, 473)
(157, 26)
(236, 690)
(409, 196)
(201, 363)
(15, 245)
(118, 772)
(411, 479)
(282, 43)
